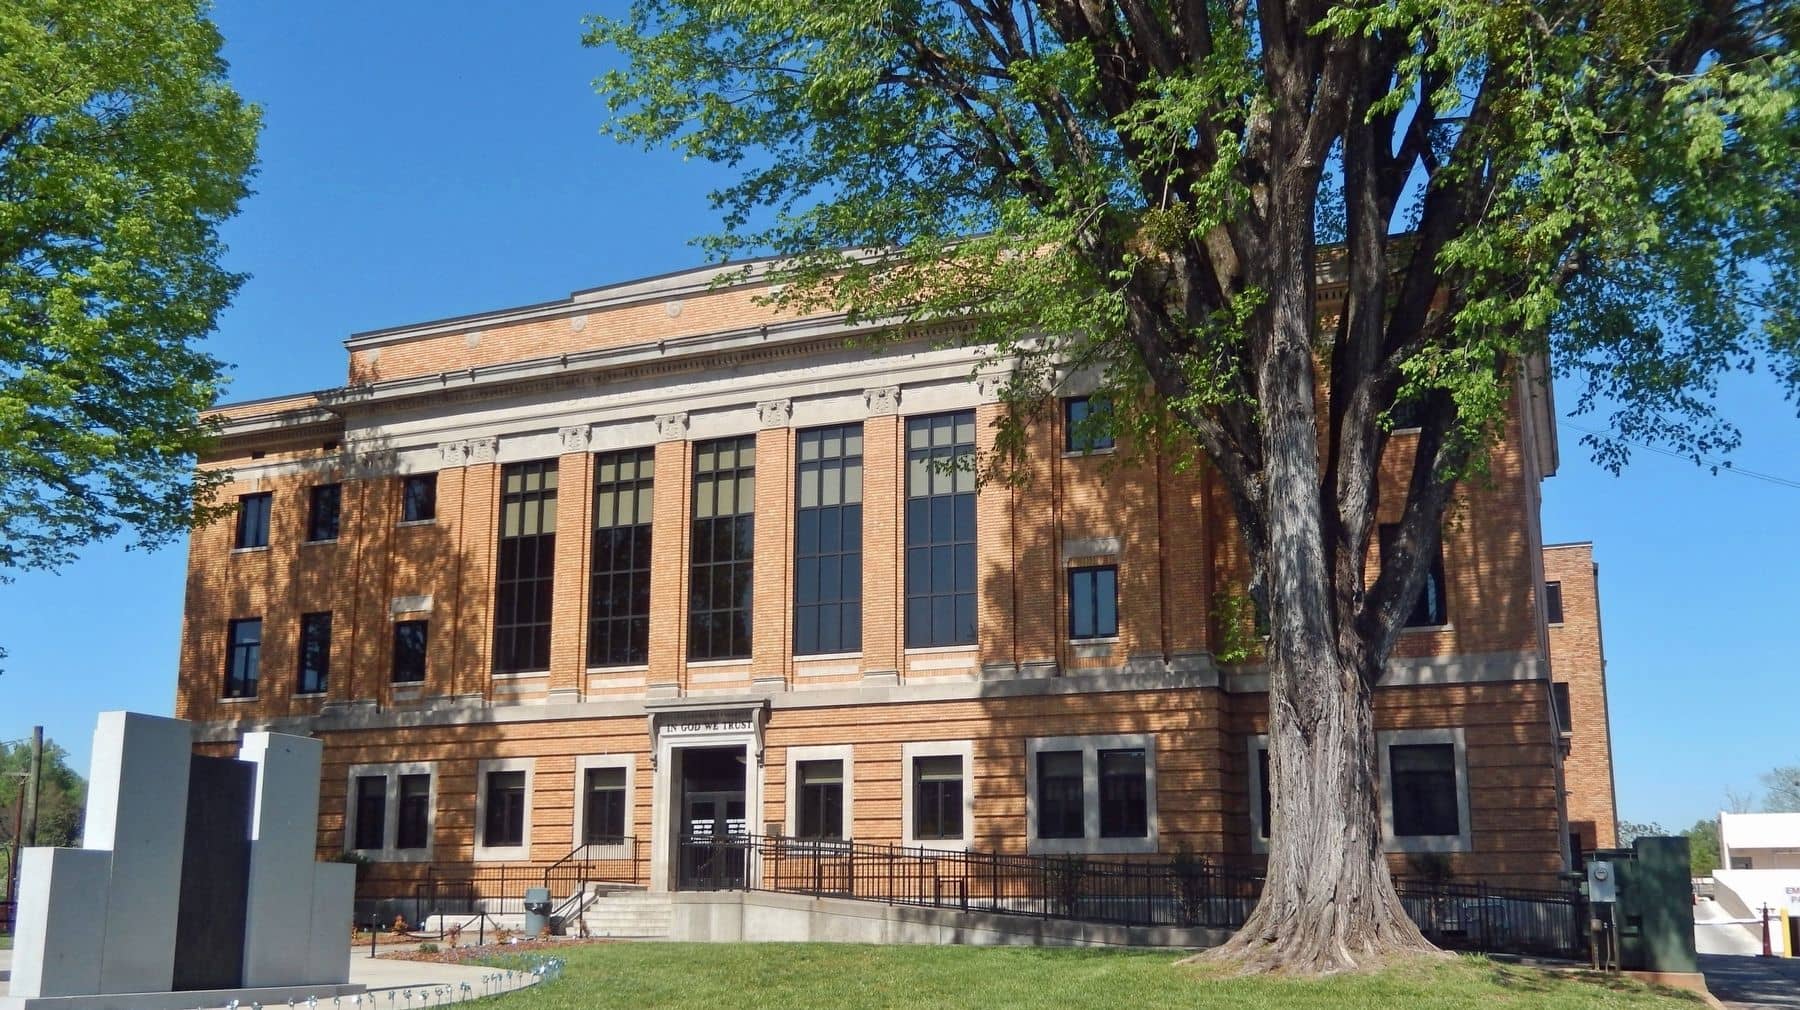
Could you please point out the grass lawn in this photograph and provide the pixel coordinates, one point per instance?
(5, 941)
(816, 976)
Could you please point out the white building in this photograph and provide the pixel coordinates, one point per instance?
(1760, 869)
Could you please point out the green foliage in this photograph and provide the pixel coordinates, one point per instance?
(1631, 831)
(62, 794)
(1234, 624)
(122, 148)
(1783, 789)
(1703, 847)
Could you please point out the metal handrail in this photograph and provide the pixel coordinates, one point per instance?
(580, 855)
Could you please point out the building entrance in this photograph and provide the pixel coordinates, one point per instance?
(713, 826)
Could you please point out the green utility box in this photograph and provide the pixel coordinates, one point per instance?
(1655, 911)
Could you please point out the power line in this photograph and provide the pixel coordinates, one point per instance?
(1716, 465)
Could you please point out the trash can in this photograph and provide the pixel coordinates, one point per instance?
(537, 910)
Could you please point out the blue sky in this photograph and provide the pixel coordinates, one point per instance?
(424, 160)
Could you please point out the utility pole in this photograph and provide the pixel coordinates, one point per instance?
(31, 784)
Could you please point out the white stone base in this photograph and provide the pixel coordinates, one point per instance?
(202, 999)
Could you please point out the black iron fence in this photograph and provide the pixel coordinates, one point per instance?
(6, 917)
(1182, 890)
(500, 888)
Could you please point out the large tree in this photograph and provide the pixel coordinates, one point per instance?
(1783, 785)
(61, 797)
(122, 148)
(1157, 188)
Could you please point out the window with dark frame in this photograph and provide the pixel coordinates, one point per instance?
(315, 653)
(1094, 602)
(1087, 424)
(619, 589)
(819, 800)
(1431, 609)
(603, 818)
(940, 530)
(1553, 604)
(722, 579)
(323, 512)
(412, 829)
(1407, 415)
(828, 476)
(410, 640)
(524, 589)
(418, 498)
(253, 520)
(1124, 795)
(1422, 790)
(243, 657)
(1264, 791)
(938, 797)
(371, 812)
(1565, 722)
(504, 824)
(1060, 802)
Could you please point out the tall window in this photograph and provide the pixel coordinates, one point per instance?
(828, 541)
(724, 536)
(604, 816)
(1430, 610)
(937, 797)
(505, 822)
(409, 651)
(1565, 720)
(413, 827)
(1087, 423)
(1264, 803)
(1094, 602)
(1553, 602)
(1059, 794)
(418, 498)
(315, 653)
(243, 657)
(619, 596)
(324, 508)
(253, 520)
(940, 530)
(820, 799)
(527, 576)
(371, 811)
(1423, 789)
(1124, 802)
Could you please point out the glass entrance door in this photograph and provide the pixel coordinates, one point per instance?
(713, 829)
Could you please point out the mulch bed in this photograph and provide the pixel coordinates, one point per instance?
(469, 953)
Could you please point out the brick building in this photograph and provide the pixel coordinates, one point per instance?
(1578, 678)
(603, 571)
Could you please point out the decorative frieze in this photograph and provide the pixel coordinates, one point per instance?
(672, 427)
(575, 439)
(454, 453)
(882, 400)
(484, 450)
(775, 413)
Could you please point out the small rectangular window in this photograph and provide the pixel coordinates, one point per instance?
(1565, 722)
(1431, 608)
(323, 512)
(1423, 789)
(505, 821)
(315, 653)
(1264, 791)
(820, 795)
(938, 797)
(1094, 602)
(409, 651)
(1087, 424)
(243, 658)
(1553, 611)
(414, 828)
(418, 498)
(1124, 800)
(371, 812)
(1060, 812)
(253, 520)
(604, 817)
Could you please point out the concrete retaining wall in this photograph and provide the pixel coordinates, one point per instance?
(731, 916)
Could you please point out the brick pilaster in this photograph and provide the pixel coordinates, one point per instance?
(574, 553)
(673, 503)
(772, 633)
(884, 490)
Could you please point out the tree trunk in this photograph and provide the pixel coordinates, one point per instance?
(1328, 903)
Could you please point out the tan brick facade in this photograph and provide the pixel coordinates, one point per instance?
(1578, 660)
(669, 363)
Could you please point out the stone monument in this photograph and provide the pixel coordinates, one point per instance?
(195, 884)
